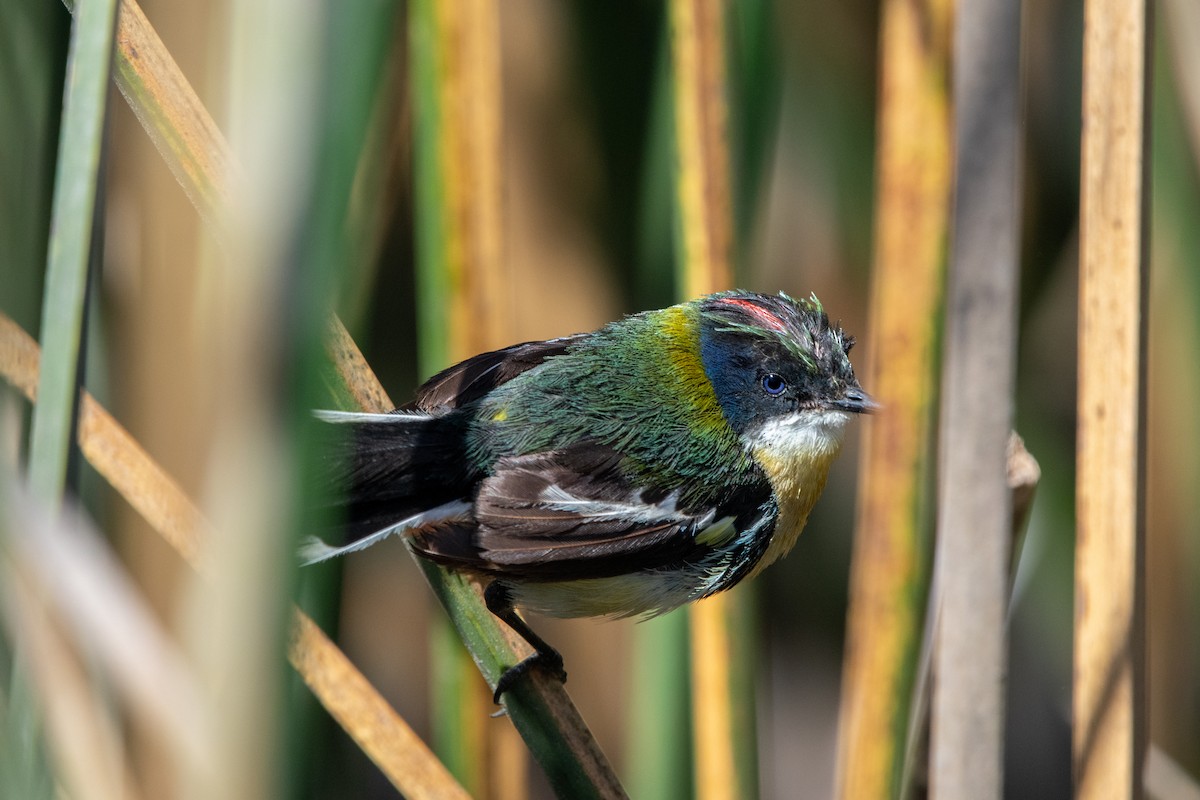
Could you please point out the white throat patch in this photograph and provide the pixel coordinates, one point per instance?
(802, 434)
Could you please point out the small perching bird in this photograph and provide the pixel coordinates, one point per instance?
(623, 472)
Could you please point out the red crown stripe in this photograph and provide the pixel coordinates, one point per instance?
(761, 314)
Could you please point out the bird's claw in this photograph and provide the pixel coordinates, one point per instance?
(548, 661)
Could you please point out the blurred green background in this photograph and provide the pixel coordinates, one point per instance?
(589, 235)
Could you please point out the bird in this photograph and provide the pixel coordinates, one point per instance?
(624, 472)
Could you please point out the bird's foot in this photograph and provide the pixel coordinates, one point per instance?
(549, 661)
(545, 657)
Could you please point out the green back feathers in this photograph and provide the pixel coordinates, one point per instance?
(637, 385)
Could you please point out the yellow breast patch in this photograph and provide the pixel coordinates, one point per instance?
(796, 455)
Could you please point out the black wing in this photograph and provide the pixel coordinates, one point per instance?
(470, 380)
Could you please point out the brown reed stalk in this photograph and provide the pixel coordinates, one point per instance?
(1109, 721)
(978, 380)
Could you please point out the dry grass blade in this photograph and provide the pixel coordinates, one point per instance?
(112, 451)
(354, 370)
(20, 358)
(394, 748)
(171, 113)
(364, 714)
(1109, 711)
(888, 570)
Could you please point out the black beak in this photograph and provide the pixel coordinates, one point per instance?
(856, 401)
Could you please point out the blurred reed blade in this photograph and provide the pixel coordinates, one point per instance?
(756, 92)
(1173, 461)
(64, 296)
(382, 175)
(327, 249)
(66, 568)
(889, 570)
(1166, 780)
(297, 114)
(178, 124)
(978, 381)
(80, 731)
(33, 51)
(658, 747)
(1109, 730)
(367, 718)
(462, 287)
(1181, 23)
(725, 759)
(75, 192)
(463, 281)
(25, 769)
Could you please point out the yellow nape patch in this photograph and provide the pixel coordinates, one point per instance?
(681, 342)
(500, 415)
(796, 454)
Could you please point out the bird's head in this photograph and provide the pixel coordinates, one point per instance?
(779, 369)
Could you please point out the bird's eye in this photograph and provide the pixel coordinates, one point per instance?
(773, 384)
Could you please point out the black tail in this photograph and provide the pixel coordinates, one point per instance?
(385, 468)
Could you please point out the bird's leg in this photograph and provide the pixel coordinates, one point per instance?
(499, 602)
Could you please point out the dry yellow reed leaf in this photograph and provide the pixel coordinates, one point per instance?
(911, 225)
